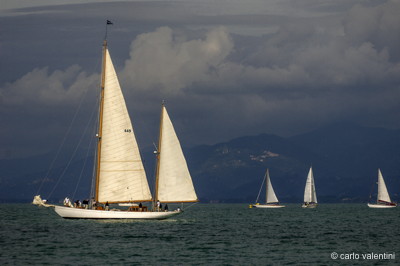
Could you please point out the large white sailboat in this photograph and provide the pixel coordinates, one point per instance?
(271, 201)
(310, 196)
(383, 199)
(120, 176)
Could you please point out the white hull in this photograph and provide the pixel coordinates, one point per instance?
(380, 206)
(268, 206)
(309, 206)
(76, 213)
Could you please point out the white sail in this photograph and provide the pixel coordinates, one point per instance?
(174, 183)
(314, 193)
(383, 194)
(121, 175)
(270, 196)
(309, 191)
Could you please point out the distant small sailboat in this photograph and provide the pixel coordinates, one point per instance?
(310, 196)
(383, 199)
(270, 196)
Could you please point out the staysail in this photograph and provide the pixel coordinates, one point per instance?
(383, 194)
(121, 176)
(174, 183)
(309, 191)
(270, 193)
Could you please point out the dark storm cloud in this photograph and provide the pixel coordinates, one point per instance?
(225, 69)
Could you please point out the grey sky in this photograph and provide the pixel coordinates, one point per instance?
(225, 68)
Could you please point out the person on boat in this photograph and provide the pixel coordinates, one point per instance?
(107, 206)
(140, 207)
(67, 202)
(85, 203)
(158, 205)
(166, 207)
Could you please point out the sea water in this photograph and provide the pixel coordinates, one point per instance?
(205, 234)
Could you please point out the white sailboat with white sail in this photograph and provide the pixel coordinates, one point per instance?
(383, 199)
(119, 175)
(271, 201)
(310, 196)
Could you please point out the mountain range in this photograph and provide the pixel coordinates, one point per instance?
(345, 159)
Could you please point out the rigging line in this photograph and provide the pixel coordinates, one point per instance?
(374, 183)
(191, 205)
(63, 141)
(88, 150)
(82, 170)
(93, 185)
(96, 132)
(66, 135)
(372, 189)
(262, 184)
(154, 183)
(70, 160)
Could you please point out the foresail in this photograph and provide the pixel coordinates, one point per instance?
(122, 177)
(308, 191)
(383, 194)
(174, 180)
(271, 197)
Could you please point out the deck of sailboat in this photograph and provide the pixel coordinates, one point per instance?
(78, 213)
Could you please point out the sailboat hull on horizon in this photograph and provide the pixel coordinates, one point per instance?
(380, 206)
(268, 206)
(77, 213)
(383, 200)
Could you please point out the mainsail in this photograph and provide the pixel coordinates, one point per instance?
(383, 194)
(174, 183)
(309, 191)
(270, 193)
(121, 175)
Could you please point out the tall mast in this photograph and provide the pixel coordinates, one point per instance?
(99, 134)
(158, 153)
(266, 186)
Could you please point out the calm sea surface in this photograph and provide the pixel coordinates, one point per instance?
(205, 234)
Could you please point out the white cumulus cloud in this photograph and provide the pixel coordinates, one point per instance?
(166, 61)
